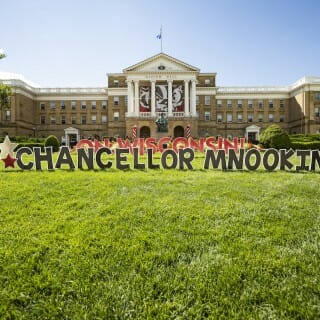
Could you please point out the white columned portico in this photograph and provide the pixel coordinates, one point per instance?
(193, 98)
(153, 98)
(130, 98)
(186, 98)
(136, 97)
(170, 98)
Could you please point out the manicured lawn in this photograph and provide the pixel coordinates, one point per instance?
(159, 244)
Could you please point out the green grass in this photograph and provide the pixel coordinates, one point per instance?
(159, 244)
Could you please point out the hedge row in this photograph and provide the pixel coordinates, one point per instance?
(305, 137)
(302, 145)
(30, 145)
(23, 139)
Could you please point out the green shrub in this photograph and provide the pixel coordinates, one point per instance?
(52, 141)
(303, 145)
(275, 137)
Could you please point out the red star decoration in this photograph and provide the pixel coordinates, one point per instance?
(9, 161)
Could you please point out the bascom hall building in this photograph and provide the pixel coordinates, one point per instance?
(160, 86)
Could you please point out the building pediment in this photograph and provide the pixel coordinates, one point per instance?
(71, 130)
(161, 63)
(253, 128)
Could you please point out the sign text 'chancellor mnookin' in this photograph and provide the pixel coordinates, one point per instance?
(164, 153)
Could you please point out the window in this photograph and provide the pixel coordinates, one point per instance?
(207, 116)
(73, 105)
(52, 119)
(271, 117)
(42, 106)
(197, 100)
(62, 105)
(281, 118)
(250, 117)
(7, 115)
(317, 96)
(239, 103)
(240, 117)
(219, 117)
(317, 112)
(83, 105)
(229, 117)
(250, 104)
(270, 103)
(116, 101)
(260, 117)
(229, 103)
(116, 83)
(219, 103)
(207, 82)
(93, 105)
(126, 100)
(93, 118)
(63, 119)
(207, 100)
(52, 105)
(83, 119)
(116, 116)
(260, 104)
(104, 119)
(43, 119)
(104, 104)
(73, 120)
(281, 103)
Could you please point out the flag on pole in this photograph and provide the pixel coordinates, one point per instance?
(159, 36)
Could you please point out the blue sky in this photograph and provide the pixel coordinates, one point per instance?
(75, 43)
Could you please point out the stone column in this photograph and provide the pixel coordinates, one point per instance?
(130, 98)
(136, 98)
(169, 98)
(186, 98)
(193, 98)
(153, 98)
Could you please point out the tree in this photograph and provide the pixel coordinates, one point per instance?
(5, 94)
(2, 54)
(275, 137)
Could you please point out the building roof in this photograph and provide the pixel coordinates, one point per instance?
(17, 76)
(160, 57)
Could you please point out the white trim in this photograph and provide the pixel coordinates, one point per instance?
(208, 91)
(123, 91)
(24, 93)
(253, 96)
(71, 98)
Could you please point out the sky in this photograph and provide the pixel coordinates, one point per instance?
(76, 43)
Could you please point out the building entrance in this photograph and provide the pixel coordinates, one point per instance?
(178, 132)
